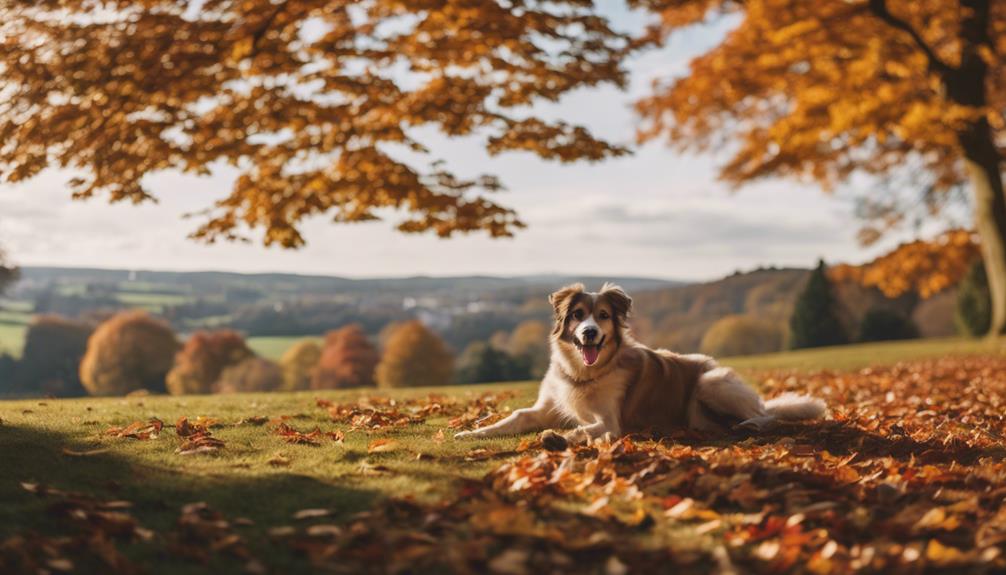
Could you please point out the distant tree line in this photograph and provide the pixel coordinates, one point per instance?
(132, 351)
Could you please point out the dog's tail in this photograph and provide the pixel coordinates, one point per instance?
(793, 406)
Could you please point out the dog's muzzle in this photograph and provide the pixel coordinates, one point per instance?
(589, 351)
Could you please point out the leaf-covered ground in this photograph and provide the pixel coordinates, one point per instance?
(907, 475)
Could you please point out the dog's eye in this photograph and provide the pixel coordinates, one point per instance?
(604, 315)
(578, 315)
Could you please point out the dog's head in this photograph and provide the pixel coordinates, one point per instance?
(589, 327)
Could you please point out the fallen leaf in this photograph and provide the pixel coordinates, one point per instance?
(86, 452)
(382, 445)
(138, 430)
(312, 513)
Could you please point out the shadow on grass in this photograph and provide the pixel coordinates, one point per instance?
(36, 455)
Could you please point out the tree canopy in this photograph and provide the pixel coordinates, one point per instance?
(203, 358)
(907, 92)
(414, 356)
(923, 267)
(822, 90)
(129, 352)
(316, 104)
(347, 360)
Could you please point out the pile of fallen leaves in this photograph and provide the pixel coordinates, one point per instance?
(379, 413)
(907, 475)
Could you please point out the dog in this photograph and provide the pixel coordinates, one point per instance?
(603, 383)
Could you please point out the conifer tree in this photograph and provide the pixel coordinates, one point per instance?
(814, 322)
(974, 306)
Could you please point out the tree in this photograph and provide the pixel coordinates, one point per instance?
(743, 335)
(881, 324)
(252, 374)
(347, 360)
(973, 302)
(316, 103)
(923, 267)
(298, 364)
(8, 273)
(906, 91)
(203, 358)
(414, 356)
(528, 343)
(814, 322)
(484, 363)
(129, 352)
(8, 371)
(50, 360)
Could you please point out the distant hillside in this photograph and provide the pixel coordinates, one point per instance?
(280, 283)
(463, 309)
(678, 317)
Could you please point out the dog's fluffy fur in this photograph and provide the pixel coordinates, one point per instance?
(601, 382)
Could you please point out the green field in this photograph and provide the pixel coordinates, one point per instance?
(860, 355)
(11, 338)
(273, 347)
(154, 302)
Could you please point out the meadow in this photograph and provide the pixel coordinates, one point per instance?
(372, 480)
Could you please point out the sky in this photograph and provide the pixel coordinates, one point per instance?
(655, 213)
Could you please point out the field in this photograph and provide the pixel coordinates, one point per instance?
(273, 347)
(904, 476)
(11, 338)
(861, 355)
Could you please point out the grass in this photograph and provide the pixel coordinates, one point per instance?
(238, 480)
(856, 356)
(12, 338)
(273, 347)
(154, 302)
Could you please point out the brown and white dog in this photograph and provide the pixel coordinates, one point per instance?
(601, 382)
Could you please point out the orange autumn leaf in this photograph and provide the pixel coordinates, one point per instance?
(138, 430)
(382, 445)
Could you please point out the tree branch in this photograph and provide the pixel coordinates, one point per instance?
(879, 9)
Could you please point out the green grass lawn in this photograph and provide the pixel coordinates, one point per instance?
(154, 302)
(273, 347)
(861, 355)
(12, 338)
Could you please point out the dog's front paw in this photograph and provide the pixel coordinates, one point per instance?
(553, 441)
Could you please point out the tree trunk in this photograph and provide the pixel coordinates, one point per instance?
(982, 162)
(966, 86)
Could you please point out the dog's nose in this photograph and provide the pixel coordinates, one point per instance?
(590, 333)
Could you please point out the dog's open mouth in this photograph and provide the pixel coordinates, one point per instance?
(590, 352)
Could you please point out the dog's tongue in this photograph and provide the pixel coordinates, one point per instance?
(590, 353)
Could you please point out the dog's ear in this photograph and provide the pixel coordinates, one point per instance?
(561, 300)
(620, 301)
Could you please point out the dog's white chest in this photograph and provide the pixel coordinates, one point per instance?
(585, 403)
